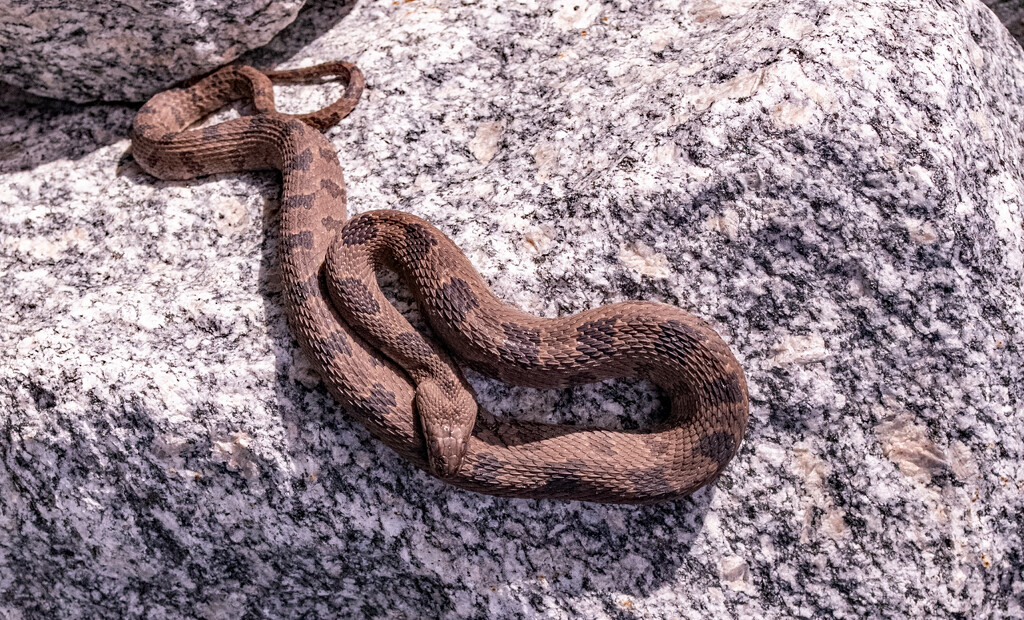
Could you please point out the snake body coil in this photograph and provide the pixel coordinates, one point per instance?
(408, 391)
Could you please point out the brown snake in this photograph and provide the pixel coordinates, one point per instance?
(407, 391)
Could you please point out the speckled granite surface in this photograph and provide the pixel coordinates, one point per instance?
(1011, 13)
(113, 50)
(836, 186)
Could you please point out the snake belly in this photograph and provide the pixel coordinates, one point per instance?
(673, 349)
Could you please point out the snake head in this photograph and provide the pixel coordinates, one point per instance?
(447, 418)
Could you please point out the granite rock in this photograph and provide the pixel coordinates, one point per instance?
(1011, 13)
(110, 50)
(836, 186)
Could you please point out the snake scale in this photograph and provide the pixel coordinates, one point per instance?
(410, 392)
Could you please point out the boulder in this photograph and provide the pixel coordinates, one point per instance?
(836, 186)
(1011, 13)
(108, 50)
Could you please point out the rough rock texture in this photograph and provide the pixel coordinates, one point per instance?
(835, 185)
(1011, 13)
(111, 50)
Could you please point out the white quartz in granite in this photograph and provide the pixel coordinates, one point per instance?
(837, 186)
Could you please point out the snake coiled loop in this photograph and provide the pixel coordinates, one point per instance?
(471, 449)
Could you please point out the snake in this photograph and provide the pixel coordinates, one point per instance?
(409, 388)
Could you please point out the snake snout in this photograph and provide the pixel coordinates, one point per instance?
(447, 421)
(445, 455)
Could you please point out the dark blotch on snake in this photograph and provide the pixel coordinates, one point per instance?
(487, 469)
(677, 337)
(335, 190)
(302, 161)
(597, 339)
(380, 398)
(302, 240)
(418, 241)
(326, 153)
(456, 299)
(298, 201)
(338, 342)
(358, 231)
(356, 296)
(240, 158)
(262, 124)
(726, 388)
(718, 446)
(332, 224)
(521, 345)
(565, 481)
(308, 288)
(191, 162)
(561, 485)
